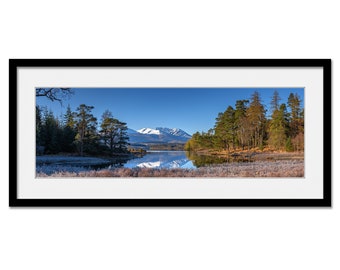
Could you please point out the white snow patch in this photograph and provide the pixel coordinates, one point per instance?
(149, 131)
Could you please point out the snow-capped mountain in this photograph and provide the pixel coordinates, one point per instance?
(149, 131)
(174, 131)
(158, 135)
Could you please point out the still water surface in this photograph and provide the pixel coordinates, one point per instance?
(173, 159)
(162, 159)
(152, 159)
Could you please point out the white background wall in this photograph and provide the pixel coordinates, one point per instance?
(168, 238)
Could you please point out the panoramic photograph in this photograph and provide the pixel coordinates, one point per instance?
(169, 132)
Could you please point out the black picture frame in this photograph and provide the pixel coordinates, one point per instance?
(15, 201)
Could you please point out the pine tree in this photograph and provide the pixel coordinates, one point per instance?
(278, 128)
(241, 123)
(69, 131)
(38, 130)
(69, 120)
(113, 133)
(294, 105)
(296, 122)
(86, 128)
(275, 102)
(193, 143)
(257, 120)
(225, 129)
(247, 125)
(50, 132)
(123, 137)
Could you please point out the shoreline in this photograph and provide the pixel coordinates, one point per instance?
(279, 169)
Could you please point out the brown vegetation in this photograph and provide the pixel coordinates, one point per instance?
(286, 168)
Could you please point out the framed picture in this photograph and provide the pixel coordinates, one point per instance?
(170, 132)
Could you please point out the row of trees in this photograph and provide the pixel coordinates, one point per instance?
(78, 132)
(247, 127)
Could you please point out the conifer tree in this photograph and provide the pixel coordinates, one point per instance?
(242, 135)
(123, 137)
(113, 133)
(38, 126)
(225, 129)
(278, 128)
(275, 102)
(86, 128)
(247, 125)
(69, 131)
(257, 120)
(50, 132)
(296, 122)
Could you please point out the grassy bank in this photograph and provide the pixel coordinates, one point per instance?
(283, 168)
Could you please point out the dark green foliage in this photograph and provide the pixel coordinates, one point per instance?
(256, 120)
(113, 133)
(200, 141)
(38, 127)
(247, 126)
(241, 122)
(86, 123)
(69, 132)
(294, 105)
(289, 146)
(51, 133)
(296, 114)
(77, 133)
(225, 130)
(296, 125)
(279, 128)
(123, 138)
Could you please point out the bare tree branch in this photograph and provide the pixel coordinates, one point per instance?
(54, 94)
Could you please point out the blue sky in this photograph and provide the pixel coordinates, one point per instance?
(191, 109)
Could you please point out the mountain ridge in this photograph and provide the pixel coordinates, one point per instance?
(158, 135)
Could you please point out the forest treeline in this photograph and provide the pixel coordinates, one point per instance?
(247, 126)
(79, 132)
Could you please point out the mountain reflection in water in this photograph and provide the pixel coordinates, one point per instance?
(173, 159)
